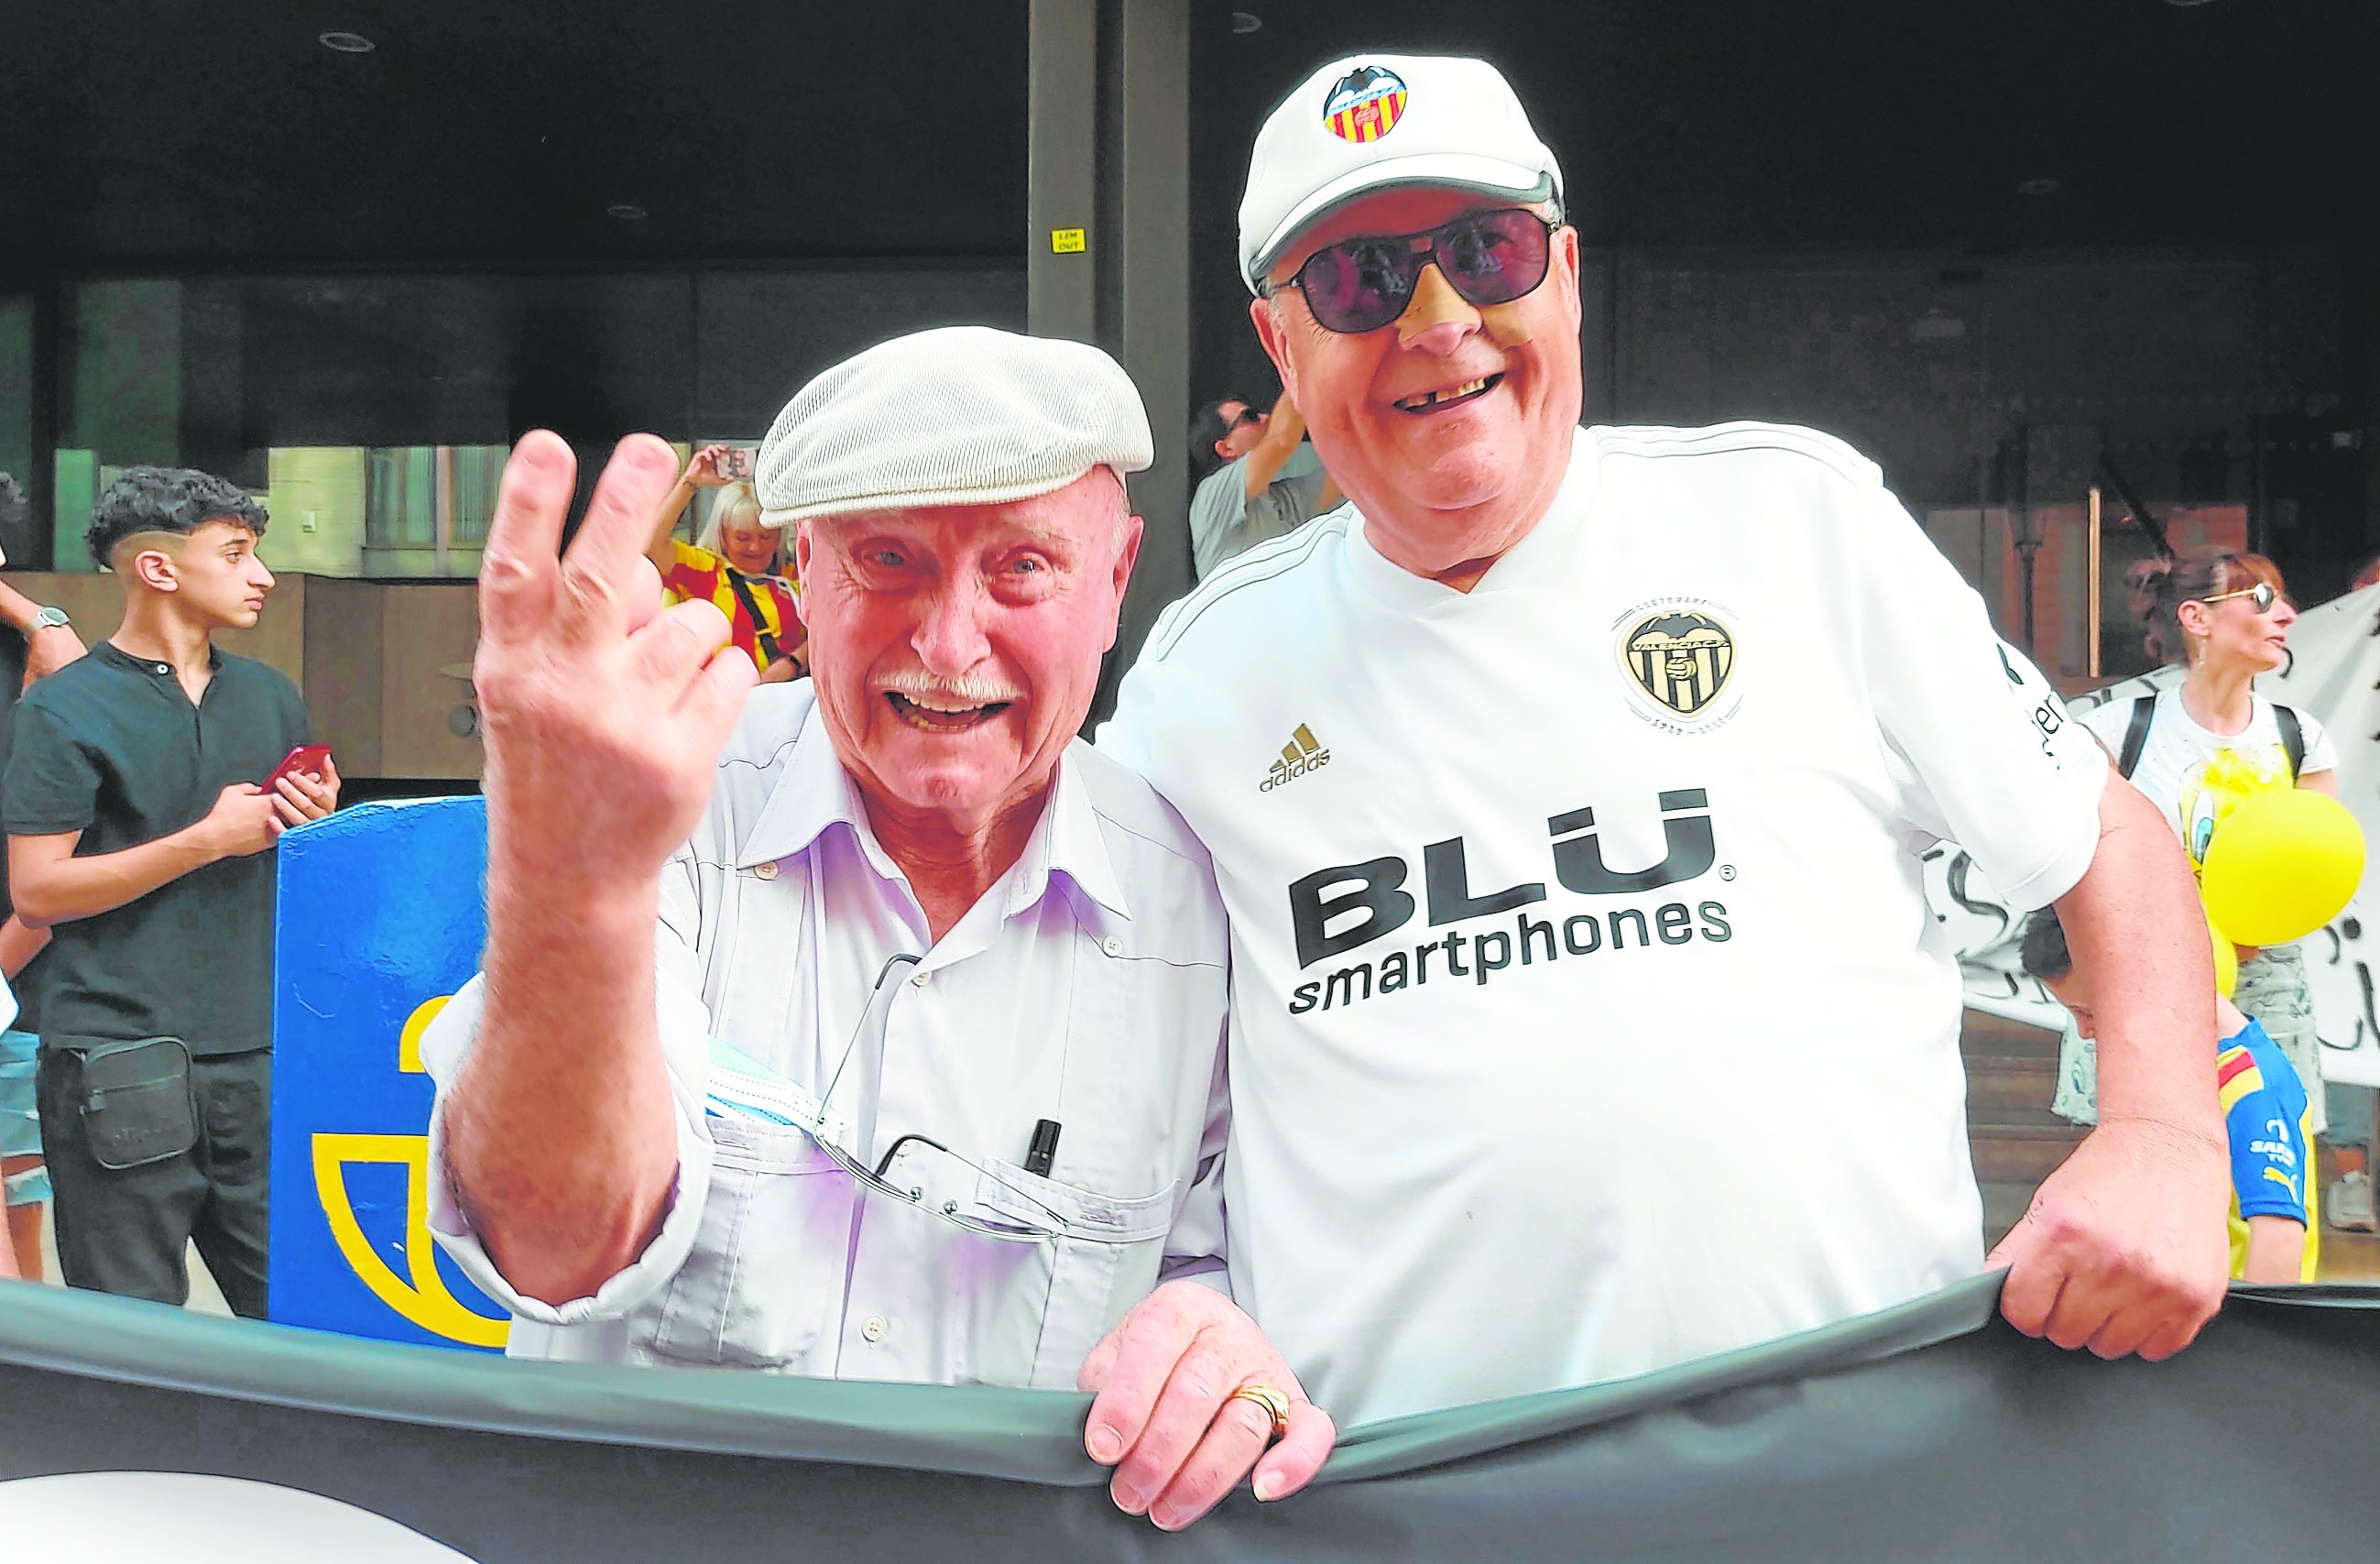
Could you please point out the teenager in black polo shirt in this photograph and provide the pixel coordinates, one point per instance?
(139, 832)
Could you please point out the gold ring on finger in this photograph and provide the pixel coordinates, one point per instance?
(1275, 1405)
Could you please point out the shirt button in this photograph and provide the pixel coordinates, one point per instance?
(764, 871)
(922, 979)
(1111, 945)
(874, 1326)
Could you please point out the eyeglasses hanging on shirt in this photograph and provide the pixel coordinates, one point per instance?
(743, 1087)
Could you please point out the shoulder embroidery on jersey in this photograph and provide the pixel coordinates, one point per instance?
(1678, 656)
(1302, 754)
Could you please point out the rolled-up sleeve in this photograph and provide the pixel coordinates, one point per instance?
(684, 1033)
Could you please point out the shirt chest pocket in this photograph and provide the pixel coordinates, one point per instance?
(763, 1286)
(1097, 1256)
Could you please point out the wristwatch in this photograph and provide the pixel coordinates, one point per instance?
(51, 617)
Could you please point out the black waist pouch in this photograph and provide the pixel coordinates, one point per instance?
(136, 1101)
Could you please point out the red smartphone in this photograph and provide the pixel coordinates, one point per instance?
(306, 757)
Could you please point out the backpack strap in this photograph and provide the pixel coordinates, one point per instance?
(2136, 734)
(2292, 737)
(769, 650)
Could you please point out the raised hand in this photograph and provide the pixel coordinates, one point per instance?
(605, 713)
(707, 468)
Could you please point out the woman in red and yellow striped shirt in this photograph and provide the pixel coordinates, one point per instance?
(733, 565)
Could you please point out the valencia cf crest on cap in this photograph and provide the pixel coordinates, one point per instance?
(1681, 656)
(1366, 104)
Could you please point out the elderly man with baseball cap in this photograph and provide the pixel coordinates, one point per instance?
(926, 1080)
(1566, 791)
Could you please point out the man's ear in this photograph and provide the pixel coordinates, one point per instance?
(1127, 555)
(1266, 318)
(153, 567)
(801, 549)
(1223, 449)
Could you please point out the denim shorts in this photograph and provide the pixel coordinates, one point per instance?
(20, 1129)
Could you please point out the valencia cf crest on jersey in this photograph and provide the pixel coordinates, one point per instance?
(1681, 657)
(1365, 104)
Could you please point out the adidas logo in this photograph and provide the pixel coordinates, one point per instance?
(1304, 753)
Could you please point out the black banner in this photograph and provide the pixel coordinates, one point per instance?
(1928, 1432)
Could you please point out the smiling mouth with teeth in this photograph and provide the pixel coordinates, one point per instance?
(1434, 401)
(941, 719)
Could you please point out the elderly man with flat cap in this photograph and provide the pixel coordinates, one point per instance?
(926, 1082)
(1566, 791)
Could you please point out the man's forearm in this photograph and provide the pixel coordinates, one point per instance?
(1284, 431)
(16, 610)
(560, 1133)
(2137, 933)
(64, 889)
(20, 944)
(666, 520)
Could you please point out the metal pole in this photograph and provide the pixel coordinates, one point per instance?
(2092, 594)
(1061, 169)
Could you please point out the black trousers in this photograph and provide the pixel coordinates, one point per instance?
(125, 1230)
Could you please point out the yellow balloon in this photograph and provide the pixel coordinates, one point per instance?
(2226, 960)
(2280, 866)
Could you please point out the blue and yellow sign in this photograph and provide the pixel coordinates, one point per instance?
(381, 918)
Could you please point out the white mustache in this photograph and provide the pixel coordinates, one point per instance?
(950, 694)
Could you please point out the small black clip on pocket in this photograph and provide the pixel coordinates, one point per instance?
(136, 1104)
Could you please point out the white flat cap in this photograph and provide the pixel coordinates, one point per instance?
(957, 415)
(1370, 122)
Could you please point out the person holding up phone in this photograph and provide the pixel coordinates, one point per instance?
(142, 801)
(733, 565)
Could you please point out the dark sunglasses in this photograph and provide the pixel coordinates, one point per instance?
(1247, 416)
(1487, 257)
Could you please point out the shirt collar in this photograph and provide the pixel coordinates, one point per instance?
(1067, 839)
(108, 651)
(816, 791)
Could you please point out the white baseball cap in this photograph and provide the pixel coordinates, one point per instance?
(956, 416)
(1371, 121)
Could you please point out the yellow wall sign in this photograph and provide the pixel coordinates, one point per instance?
(1066, 241)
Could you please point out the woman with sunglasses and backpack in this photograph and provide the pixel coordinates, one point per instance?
(2197, 748)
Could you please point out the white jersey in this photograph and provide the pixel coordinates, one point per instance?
(1587, 1014)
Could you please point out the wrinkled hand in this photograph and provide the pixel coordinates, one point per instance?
(2124, 1249)
(1162, 1420)
(604, 712)
(244, 820)
(300, 797)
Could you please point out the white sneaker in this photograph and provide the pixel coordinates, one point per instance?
(2346, 1205)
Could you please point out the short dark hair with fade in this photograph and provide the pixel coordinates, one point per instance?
(2042, 947)
(166, 500)
(1206, 427)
